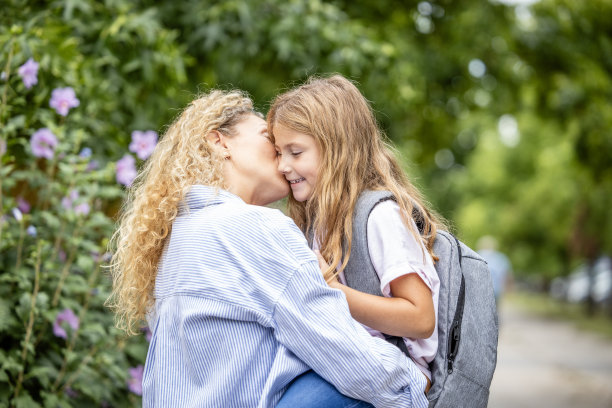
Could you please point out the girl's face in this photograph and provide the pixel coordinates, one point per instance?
(298, 160)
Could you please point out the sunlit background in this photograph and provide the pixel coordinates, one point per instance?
(501, 112)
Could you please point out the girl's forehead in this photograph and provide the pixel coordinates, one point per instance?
(289, 136)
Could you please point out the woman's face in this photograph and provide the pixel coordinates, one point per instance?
(254, 175)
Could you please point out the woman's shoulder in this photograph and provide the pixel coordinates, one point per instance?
(278, 233)
(271, 223)
(252, 228)
(282, 226)
(271, 217)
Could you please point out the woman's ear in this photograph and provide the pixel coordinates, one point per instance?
(218, 141)
(215, 138)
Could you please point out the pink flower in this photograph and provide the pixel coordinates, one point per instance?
(126, 170)
(29, 73)
(63, 99)
(82, 209)
(68, 201)
(92, 165)
(65, 316)
(143, 143)
(23, 205)
(43, 143)
(135, 381)
(147, 333)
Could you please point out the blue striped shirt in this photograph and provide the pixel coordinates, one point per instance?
(241, 309)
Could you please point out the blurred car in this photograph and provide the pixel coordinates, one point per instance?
(602, 287)
(575, 288)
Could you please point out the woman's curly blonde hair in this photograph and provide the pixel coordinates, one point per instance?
(181, 159)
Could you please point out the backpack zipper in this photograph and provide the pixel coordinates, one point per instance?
(455, 332)
(453, 345)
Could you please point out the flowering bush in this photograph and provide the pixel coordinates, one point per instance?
(59, 346)
(65, 157)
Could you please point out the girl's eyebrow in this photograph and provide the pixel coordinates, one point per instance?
(291, 145)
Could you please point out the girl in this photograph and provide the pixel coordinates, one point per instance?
(331, 150)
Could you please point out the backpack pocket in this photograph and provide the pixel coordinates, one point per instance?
(461, 391)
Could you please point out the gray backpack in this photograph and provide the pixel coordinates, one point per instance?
(467, 317)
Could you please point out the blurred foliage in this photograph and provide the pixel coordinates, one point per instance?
(548, 197)
(501, 114)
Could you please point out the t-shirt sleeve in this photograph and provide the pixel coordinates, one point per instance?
(393, 249)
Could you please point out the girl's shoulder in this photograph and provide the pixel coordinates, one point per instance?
(387, 233)
(388, 215)
(388, 209)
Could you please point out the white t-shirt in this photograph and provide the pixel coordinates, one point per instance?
(395, 252)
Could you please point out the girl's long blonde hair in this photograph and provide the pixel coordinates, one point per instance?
(181, 159)
(354, 158)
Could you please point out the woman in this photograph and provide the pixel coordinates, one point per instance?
(233, 295)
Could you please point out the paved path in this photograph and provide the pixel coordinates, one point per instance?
(549, 364)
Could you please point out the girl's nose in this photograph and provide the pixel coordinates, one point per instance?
(282, 167)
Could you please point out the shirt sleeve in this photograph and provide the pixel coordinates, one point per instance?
(313, 321)
(394, 251)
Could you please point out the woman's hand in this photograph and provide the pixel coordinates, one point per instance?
(331, 279)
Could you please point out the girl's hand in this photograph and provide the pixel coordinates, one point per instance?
(332, 280)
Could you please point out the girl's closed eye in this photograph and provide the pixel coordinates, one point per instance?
(296, 153)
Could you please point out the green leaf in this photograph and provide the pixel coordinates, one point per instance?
(53, 400)
(51, 221)
(44, 374)
(5, 314)
(24, 306)
(25, 401)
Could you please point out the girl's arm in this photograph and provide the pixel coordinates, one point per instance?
(409, 313)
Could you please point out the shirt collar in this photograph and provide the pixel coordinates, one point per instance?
(200, 196)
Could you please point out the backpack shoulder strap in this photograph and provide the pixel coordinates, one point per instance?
(359, 272)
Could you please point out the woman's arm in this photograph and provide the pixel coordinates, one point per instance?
(314, 322)
(409, 313)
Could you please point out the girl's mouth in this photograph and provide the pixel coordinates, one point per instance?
(297, 180)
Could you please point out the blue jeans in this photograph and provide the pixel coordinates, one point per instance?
(309, 390)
